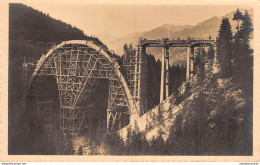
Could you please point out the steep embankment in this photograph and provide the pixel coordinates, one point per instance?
(200, 105)
(162, 117)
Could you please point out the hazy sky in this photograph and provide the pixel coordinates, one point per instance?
(119, 20)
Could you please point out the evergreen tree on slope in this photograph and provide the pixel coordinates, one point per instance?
(224, 49)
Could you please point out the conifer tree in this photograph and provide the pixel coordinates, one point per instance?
(173, 142)
(126, 54)
(153, 71)
(145, 145)
(243, 77)
(209, 67)
(224, 49)
(114, 143)
(238, 17)
(136, 140)
(159, 117)
(243, 60)
(129, 142)
(202, 68)
(246, 27)
(130, 47)
(80, 151)
(157, 145)
(197, 61)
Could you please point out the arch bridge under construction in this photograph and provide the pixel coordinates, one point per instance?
(77, 65)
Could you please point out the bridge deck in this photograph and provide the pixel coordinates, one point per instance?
(176, 43)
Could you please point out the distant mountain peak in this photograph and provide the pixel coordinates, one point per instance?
(173, 26)
(213, 18)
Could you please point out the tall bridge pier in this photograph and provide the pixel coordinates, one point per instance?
(190, 62)
(164, 90)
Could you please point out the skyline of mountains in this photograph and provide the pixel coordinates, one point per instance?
(201, 30)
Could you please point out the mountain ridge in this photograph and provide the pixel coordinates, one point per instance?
(201, 30)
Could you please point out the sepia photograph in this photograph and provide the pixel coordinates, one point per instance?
(130, 79)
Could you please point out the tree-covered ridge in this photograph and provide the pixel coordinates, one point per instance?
(28, 24)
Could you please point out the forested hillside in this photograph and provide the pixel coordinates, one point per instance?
(27, 23)
(30, 29)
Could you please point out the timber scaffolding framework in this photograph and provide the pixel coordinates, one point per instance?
(130, 73)
(135, 75)
(76, 65)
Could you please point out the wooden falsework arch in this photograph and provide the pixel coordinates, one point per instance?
(75, 65)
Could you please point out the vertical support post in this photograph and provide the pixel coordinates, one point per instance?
(166, 71)
(139, 80)
(215, 54)
(108, 117)
(119, 120)
(142, 80)
(109, 102)
(73, 122)
(192, 61)
(188, 64)
(162, 76)
(136, 74)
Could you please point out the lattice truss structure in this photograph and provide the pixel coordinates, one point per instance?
(76, 68)
(140, 80)
(136, 78)
(131, 72)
